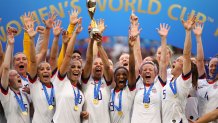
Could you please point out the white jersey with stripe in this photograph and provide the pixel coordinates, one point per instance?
(128, 95)
(152, 114)
(173, 108)
(98, 113)
(191, 109)
(13, 112)
(202, 95)
(41, 112)
(65, 101)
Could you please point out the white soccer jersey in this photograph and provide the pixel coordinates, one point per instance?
(11, 107)
(152, 114)
(128, 95)
(41, 112)
(211, 98)
(98, 113)
(173, 108)
(201, 95)
(65, 101)
(191, 109)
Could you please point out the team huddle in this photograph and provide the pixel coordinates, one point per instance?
(62, 89)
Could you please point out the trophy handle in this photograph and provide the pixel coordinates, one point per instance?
(93, 23)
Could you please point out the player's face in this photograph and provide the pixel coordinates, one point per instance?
(44, 72)
(15, 80)
(124, 60)
(20, 63)
(177, 66)
(121, 77)
(213, 65)
(77, 56)
(75, 70)
(97, 68)
(158, 54)
(148, 73)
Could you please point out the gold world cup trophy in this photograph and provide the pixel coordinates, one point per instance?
(91, 5)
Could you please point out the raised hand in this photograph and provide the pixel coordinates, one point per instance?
(10, 34)
(101, 25)
(57, 28)
(74, 16)
(133, 18)
(40, 29)
(134, 31)
(65, 36)
(163, 30)
(51, 18)
(198, 29)
(28, 19)
(189, 24)
(30, 30)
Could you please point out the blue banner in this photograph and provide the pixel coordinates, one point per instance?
(116, 14)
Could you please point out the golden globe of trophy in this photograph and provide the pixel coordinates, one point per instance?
(91, 5)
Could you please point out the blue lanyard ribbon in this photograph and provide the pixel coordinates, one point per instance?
(76, 96)
(20, 102)
(119, 108)
(97, 89)
(49, 100)
(173, 87)
(24, 78)
(146, 98)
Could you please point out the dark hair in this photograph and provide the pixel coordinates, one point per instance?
(120, 67)
(77, 51)
(194, 71)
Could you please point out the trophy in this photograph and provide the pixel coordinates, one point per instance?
(91, 5)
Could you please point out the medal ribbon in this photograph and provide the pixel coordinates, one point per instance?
(173, 87)
(147, 94)
(49, 100)
(97, 89)
(76, 96)
(20, 102)
(118, 108)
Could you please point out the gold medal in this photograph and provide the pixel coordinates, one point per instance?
(24, 113)
(146, 105)
(175, 95)
(95, 101)
(76, 108)
(120, 113)
(50, 107)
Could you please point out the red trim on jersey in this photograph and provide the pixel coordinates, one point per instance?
(202, 76)
(187, 76)
(211, 82)
(84, 80)
(54, 72)
(161, 81)
(48, 85)
(74, 84)
(5, 92)
(61, 77)
(32, 80)
(117, 90)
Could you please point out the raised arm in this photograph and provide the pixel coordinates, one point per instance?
(54, 50)
(132, 72)
(67, 34)
(1, 57)
(108, 73)
(44, 47)
(33, 62)
(6, 63)
(70, 49)
(188, 25)
(200, 51)
(163, 32)
(137, 48)
(89, 60)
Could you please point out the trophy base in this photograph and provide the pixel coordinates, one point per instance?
(94, 31)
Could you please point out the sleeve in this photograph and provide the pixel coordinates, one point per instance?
(63, 48)
(184, 84)
(26, 47)
(4, 94)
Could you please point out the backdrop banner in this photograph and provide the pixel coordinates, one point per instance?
(116, 14)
